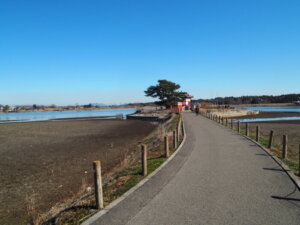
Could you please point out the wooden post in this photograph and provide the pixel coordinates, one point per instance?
(232, 124)
(239, 126)
(257, 134)
(284, 146)
(144, 160)
(271, 139)
(98, 184)
(226, 122)
(167, 151)
(247, 129)
(174, 139)
(179, 130)
(299, 160)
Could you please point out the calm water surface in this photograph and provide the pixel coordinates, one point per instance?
(42, 116)
(271, 109)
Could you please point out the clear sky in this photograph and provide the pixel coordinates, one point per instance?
(67, 52)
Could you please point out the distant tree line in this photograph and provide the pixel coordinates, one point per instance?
(262, 99)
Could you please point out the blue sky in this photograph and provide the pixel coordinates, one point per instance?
(67, 52)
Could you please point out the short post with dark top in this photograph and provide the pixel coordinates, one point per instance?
(257, 134)
(98, 184)
(299, 161)
(226, 122)
(284, 146)
(239, 126)
(271, 139)
(174, 139)
(144, 160)
(247, 129)
(232, 124)
(167, 151)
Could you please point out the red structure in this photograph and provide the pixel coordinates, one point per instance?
(185, 104)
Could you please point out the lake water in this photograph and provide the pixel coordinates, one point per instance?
(271, 109)
(42, 116)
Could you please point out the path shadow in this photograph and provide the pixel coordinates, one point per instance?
(275, 169)
(262, 154)
(295, 200)
(285, 198)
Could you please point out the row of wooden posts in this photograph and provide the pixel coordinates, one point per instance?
(225, 121)
(144, 156)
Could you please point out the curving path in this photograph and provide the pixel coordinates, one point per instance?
(218, 177)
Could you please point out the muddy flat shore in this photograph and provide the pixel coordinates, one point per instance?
(44, 163)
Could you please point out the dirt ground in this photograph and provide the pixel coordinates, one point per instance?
(45, 163)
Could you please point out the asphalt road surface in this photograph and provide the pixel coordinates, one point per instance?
(218, 177)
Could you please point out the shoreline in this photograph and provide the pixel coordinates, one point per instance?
(78, 109)
(268, 104)
(268, 115)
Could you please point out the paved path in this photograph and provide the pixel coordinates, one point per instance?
(218, 177)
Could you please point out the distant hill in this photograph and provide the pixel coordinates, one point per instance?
(144, 104)
(261, 99)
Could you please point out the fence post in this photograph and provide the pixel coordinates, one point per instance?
(271, 139)
(299, 160)
(179, 129)
(239, 126)
(144, 160)
(284, 146)
(247, 129)
(257, 133)
(98, 184)
(167, 152)
(174, 139)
